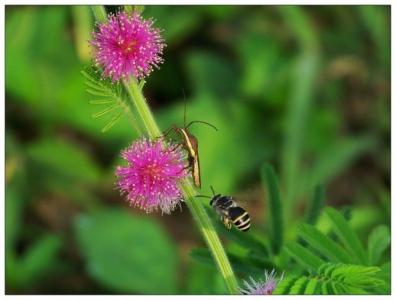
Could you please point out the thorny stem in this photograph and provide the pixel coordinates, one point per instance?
(195, 206)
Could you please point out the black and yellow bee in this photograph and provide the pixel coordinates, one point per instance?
(229, 211)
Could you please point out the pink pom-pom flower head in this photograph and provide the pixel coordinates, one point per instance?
(265, 287)
(150, 179)
(127, 45)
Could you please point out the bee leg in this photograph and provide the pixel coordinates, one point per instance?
(227, 222)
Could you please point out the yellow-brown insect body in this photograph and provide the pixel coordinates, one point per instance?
(190, 144)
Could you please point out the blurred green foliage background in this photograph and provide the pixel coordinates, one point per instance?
(305, 88)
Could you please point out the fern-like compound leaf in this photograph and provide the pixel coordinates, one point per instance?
(111, 95)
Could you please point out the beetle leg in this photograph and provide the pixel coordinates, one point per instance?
(167, 131)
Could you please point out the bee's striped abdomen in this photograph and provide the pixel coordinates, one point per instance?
(240, 218)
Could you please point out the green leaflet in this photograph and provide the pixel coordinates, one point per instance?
(112, 96)
(311, 287)
(378, 242)
(332, 279)
(323, 244)
(316, 205)
(299, 286)
(275, 211)
(347, 236)
(303, 256)
(284, 286)
(347, 272)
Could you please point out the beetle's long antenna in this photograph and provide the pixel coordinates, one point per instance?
(203, 122)
(185, 108)
(203, 196)
(211, 187)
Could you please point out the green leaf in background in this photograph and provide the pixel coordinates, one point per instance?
(347, 236)
(378, 242)
(300, 103)
(301, 27)
(15, 191)
(64, 159)
(334, 159)
(383, 196)
(37, 263)
(385, 275)
(212, 74)
(364, 218)
(316, 205)
(376, 19)
(264, 70)
(303, 256)
(275, 210)
(27, 29)
(201, 280)
(127, 253)
(14, 205)
(323, 244)
(178, 22)
(39, 259)
(83, 24)
(221, 12)
(239, 263)
(62, 168)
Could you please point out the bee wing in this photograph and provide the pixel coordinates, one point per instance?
(242, 200)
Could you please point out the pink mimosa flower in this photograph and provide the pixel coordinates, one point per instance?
(265, 287)
(150, 179)
(127, 45)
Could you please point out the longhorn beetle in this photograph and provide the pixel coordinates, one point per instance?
(190, 144)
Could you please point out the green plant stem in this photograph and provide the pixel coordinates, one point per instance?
(99, 12)
(142, 108)
(196, 207)
(205, 225)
